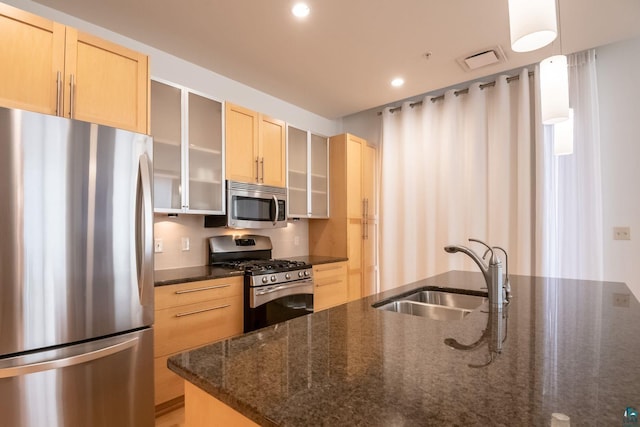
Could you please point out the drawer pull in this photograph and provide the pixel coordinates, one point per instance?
(206, 288)
(329, 283)
(189, 313)
(329, 269)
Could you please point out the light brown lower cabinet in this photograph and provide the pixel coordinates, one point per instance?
(204, 410)
(331, 285)
(190, 315)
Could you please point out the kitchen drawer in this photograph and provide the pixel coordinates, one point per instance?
(330, 285)
(182, 327)
(168, 384)
(192, 292)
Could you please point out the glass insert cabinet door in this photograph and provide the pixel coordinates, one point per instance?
(298, 172)
(319, 176)
(188, 150)
(166, 128)
(205, 184)
(308, 169)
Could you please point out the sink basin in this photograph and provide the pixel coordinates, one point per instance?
(434, 304)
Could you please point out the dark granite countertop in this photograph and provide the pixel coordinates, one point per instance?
(316, 259)
(570, 348)
(206, 272)
(192, 274)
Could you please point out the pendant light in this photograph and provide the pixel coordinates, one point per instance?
(554, 89)
(563, 136)
(532, 24)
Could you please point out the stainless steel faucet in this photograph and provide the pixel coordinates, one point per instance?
(498, 285)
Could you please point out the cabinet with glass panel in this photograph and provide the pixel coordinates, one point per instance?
(188, 151)
(308, 178)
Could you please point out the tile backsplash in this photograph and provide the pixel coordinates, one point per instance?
(292, 240)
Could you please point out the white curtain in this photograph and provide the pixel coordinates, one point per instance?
(454, 169)
(569, 196)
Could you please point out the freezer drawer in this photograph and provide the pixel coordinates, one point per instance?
(102, 383)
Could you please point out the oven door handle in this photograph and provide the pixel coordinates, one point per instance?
(281, 287)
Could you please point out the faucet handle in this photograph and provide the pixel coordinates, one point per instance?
(489, 248)
(493, 259)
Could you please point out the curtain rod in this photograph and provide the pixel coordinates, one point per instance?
(456, 93)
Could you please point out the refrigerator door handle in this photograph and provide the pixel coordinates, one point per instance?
(65, 362)
(144, 224)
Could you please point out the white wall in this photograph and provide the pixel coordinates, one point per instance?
(618, 68)
(287, 242)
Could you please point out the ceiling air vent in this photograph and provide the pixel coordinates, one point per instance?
(485, 57)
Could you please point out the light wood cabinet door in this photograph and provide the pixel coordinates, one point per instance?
(32, 61)
(331, 287)
(53, 69)
(354, 236)
(183, 327)
(241, 143)
(354, 176)
(107, 83)
(189, 315)
(272, 151)
(369, 242)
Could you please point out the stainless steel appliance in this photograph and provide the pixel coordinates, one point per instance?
(275, 290)
(252, 206)
(76, 271)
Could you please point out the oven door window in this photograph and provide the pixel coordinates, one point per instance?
(253, 209)
(278, 310)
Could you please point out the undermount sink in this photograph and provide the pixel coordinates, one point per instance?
(434, 304)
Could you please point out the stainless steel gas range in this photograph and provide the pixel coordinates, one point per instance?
(275, 290)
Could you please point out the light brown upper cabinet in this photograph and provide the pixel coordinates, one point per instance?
(54, 69)
(255, 147)
(351, 230)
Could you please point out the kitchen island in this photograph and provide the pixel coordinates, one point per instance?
(570, 347)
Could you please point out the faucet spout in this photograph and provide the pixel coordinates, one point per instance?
(492, 273)
(452, 249)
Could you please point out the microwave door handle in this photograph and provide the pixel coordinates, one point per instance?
(275, 201)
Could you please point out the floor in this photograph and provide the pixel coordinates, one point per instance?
(171, 419)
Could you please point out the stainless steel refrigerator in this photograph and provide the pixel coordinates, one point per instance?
(76, 272)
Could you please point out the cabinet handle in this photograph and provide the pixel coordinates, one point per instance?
(262, 162)
(72, 92)
(206, 288)
(257, 170)
(59, 94)
(189, 313)
(329, 283)
(329, 269)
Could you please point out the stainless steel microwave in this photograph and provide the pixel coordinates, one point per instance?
(256, 206)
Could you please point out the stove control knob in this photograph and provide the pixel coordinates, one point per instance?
(265, 279)
(299, 273)
(287, 276)
(306, 273)
(273, 278)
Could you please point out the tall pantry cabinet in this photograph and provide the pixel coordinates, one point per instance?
(351, 229)
(53, 69)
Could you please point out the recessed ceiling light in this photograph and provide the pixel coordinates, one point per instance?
(397, 82)
(300, 10)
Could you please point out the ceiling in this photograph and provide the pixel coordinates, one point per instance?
(341, 58)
